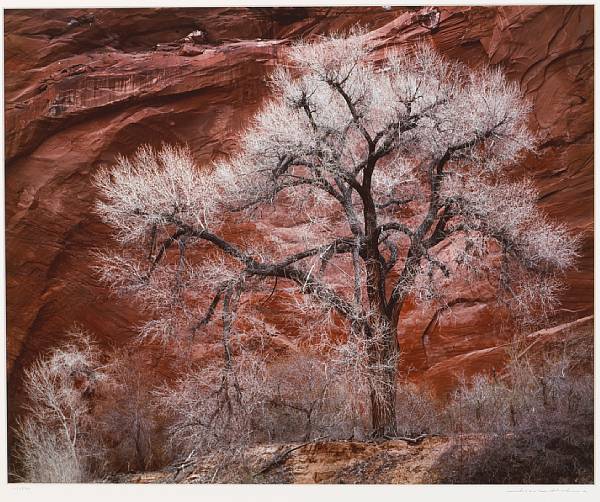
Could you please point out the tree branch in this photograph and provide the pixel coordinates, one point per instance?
(393, 202)
(398, 227)
(355, 115)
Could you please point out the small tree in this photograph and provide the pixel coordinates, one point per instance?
(54, 443)
(377, 166)
(125, 416)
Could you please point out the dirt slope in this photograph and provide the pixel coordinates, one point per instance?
(343, 462)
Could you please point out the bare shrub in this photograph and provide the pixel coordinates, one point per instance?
(416, 411)
(525, 393)
(88, 413)
(214, 409)
(557, 448)
(130, 432)
(296, 394)
(47, 456)
(54, 441)
(307, 399)
(482, 404)
(537, 419)
(217, 414)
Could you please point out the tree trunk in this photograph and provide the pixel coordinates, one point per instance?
(380, 329)
(384, 359)
(383, 409)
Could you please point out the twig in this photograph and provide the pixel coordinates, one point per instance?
(215, 474)
(189, 461)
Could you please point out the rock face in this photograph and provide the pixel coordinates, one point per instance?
(82, 86)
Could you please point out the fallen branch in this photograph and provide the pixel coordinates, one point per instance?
(282, 456)
(409, 440)
(189, 461)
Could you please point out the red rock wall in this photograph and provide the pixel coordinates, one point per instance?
(82, 86)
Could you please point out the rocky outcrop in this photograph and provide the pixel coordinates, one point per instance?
(339, 462)
(82, 86)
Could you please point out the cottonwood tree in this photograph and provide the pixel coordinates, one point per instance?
(377, 166)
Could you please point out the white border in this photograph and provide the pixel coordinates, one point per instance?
(280, 493)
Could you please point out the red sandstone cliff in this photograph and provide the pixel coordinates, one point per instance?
(82, 86)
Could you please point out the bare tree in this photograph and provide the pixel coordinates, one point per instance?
(378, 167)
(124, 415)
(206, 418)
(306, 400)
(53, 440)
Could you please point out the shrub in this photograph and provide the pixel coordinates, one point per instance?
(129, 432)
(416, 411)
(88, 413)
(537, 420)
(54, 441)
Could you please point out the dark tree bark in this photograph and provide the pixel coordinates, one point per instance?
(383, 390)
